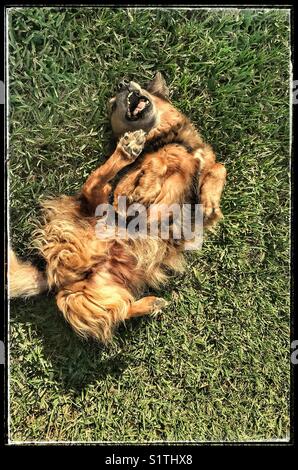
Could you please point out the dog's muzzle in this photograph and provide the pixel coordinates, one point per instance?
(137, 103)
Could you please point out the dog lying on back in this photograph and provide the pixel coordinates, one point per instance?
(99, 281)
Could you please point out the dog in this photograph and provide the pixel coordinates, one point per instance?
(99, 281)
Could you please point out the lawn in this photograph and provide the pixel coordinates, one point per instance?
(215, 365)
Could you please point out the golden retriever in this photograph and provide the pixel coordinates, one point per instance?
(99, 280)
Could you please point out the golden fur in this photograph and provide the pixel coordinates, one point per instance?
(19, 274)
(98, 281)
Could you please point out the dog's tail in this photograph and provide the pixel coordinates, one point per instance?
(24, 279)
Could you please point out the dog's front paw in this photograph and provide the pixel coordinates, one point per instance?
(212, 214)
(133, 143)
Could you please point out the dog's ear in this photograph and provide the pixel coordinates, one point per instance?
(158, 86)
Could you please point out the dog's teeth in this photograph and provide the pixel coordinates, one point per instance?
(127, 100)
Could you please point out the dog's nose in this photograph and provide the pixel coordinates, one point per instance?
(130, 86)
(122, 85)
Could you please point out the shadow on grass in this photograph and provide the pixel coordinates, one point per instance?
(73, 363)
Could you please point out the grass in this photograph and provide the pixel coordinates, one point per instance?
(215, 365)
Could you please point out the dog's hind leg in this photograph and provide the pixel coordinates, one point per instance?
(95, 306)
(128, 149)
(146, 305)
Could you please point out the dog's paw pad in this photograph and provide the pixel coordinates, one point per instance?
(133, 143)
(159, 304)
(212, 215)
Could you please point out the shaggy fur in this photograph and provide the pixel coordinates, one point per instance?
(98, 280)
(24, 279)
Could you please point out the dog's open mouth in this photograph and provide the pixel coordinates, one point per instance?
(137, 105)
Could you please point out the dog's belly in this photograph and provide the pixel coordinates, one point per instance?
(171, 166)
(142, 184)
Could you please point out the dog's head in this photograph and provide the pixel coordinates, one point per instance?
(134, 107)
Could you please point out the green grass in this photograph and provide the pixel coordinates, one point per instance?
(215, 365)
